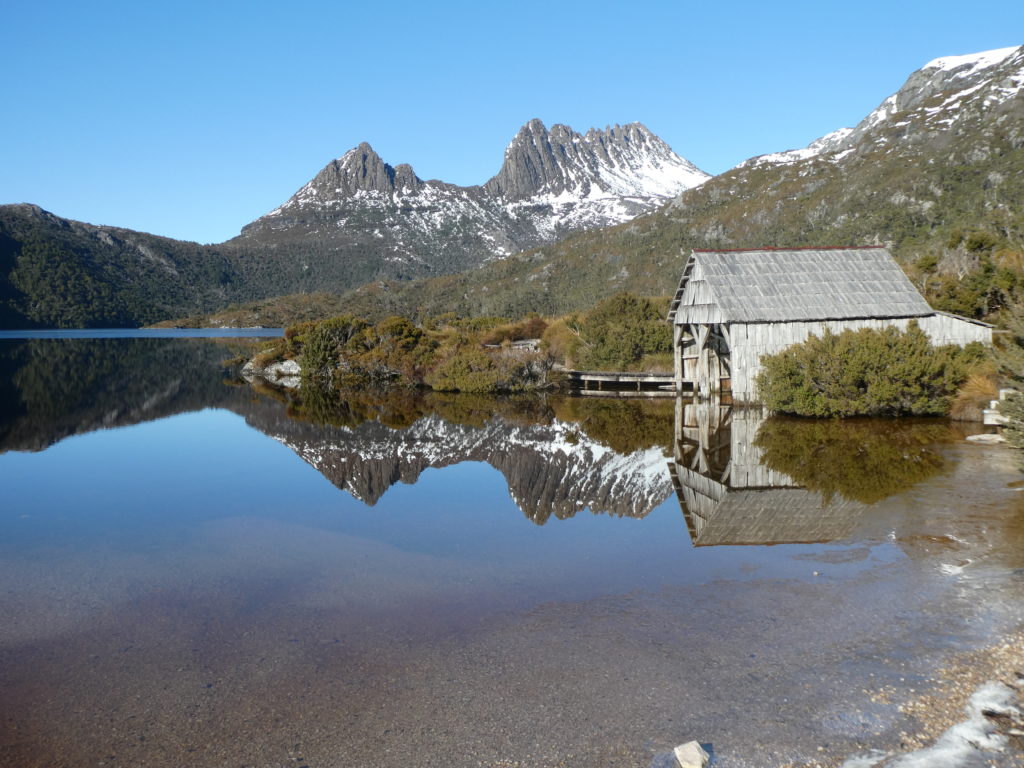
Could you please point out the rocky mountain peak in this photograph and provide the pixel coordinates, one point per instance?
(537, 160)
(561, 163)
(957, 72)
(542, 166)
(360, 170)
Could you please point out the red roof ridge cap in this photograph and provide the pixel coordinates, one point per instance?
(800, 248)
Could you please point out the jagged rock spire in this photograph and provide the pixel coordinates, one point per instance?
(362, 169)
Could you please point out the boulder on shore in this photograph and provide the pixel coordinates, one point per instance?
(283, 373)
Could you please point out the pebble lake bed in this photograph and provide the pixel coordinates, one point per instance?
(194, 573)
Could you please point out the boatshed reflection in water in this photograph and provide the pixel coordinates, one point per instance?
(744, 478)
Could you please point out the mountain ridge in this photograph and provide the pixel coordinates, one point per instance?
(551, 182)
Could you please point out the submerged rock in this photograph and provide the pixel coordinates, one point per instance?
(987, 439)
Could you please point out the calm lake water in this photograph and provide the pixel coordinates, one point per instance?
(198, 572)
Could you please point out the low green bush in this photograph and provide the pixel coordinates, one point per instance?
(470, 369)
(325, 344)
(348, 352)
(1013, 409)
(619, 331)
(885, 372)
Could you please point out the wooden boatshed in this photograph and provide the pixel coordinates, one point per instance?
(733, 307)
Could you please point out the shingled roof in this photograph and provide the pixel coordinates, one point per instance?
(792, 285)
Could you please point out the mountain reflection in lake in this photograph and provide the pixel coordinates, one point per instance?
(557, 455)
(195, 572)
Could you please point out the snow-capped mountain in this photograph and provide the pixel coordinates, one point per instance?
(591, 180)
(937, 161)
(942, 94)
(370, 219)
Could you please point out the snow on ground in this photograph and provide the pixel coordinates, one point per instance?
(963, 744)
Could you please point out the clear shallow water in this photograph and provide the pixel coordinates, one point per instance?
(195, 573)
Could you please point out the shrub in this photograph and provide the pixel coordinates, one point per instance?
(561, 340)
(619, 331)
(980, 389)
(1013, 409)
(470, 369)
(268, 355)
(295, 336)
(324, 345)
(393, 349)
(531, 327)
(885, 372)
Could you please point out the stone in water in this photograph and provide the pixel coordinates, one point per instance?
(691, 755)
(986, 439)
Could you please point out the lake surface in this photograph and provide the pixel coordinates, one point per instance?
(144, 333)
(196, 571)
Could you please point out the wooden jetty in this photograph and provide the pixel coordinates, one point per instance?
(613, 383)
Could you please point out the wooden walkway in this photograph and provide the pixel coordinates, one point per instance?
(621, 382)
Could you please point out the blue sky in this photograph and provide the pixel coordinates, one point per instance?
(191, 119)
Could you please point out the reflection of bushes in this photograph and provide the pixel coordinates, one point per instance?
(477, 409)
(400, 408)
(624, 426)
(862, 460)
(321, 405)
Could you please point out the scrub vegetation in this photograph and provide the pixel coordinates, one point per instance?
(347, 352)
(885, 372)
(482, 354)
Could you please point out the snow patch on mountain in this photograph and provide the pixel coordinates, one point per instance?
(972, 62)
(933, 98)
(651, 175)
(827, 143)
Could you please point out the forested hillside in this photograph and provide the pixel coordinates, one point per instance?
(65, 274)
